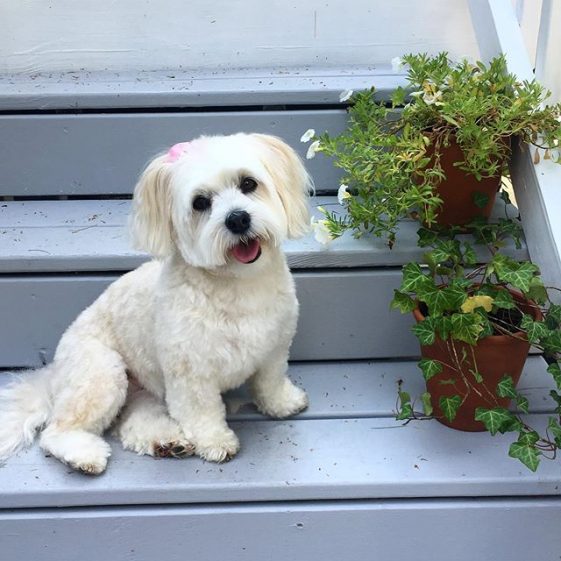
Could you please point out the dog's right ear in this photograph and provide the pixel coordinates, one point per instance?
(150, 223)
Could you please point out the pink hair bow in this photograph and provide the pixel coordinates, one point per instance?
(176, 151)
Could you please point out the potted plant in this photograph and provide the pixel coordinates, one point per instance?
(442, 156)
(475, 324)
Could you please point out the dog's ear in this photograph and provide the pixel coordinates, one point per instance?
(150, 222)
(291, 180)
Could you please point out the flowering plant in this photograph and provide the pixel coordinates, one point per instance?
(391, 157)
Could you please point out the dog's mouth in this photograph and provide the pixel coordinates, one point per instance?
(247, 251)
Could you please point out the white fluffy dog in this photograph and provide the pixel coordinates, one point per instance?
(215, 309)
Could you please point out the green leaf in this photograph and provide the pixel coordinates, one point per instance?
(503, 299)
(405, 410)
(555, 429)
(426, 237)
(552, 342)
(445, 299)
(526, 453)
(505, 197)
(414, 279)
(476, 375)
(557, 398)
(537, 291)
(480, 199)
(505, 387)
(430, 367)
(553, 316)
(522, 403)
(427, 404)
(425, 332)
(528, 437)
(398, 96)
(402, 302)
(470, 258)
(555, 370)
(450, 406)
(495, 420)
(466, 327)
(443, 326)
(535, 329)
(510, 271)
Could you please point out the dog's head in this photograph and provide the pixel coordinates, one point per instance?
(221, 201)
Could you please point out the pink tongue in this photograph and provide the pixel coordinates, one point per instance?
(246, 253)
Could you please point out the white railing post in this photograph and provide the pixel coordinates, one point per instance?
(548, 68)
(537, 187)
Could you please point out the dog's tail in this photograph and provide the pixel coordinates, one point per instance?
(25, 406)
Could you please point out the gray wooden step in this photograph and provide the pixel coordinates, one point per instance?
(347, 446)
(56, 257)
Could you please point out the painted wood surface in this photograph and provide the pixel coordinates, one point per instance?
(128, 35)
(102, 154)
(328, 453)
(516, 530)
(536, 186)
(177, 88)
(91, 235)
(340, 315)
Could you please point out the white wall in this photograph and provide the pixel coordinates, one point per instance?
(64, 35)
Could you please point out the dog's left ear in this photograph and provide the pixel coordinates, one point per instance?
(291, 180)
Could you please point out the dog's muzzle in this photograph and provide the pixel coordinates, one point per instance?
(238, 221)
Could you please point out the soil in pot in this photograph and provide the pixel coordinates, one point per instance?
(492, 357)
(460, 190)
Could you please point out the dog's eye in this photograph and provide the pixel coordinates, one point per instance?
(248, 184)
(201, 203)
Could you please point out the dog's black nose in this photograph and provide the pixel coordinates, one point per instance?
(238, 221)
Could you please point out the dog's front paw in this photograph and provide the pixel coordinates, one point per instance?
(218, 447)
(287, 401)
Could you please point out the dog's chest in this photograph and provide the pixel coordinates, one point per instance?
(229, 334)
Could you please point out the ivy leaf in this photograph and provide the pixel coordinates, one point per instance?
(518, 274)
(505, 197)
(503, 299)
(450, 406)
(555, 429)
(414, 280)
(553, 316)
(535, 329)
(505, 387)
(445, 299)
(526, 453)
(406, 409)
(555, 370)
(427, 404)
(470, 258)
(425, 331)
(552, 341)
(522, 403)
(528, 437)
(480, 199)
(478, 301)
(537, 291)
(476, 374)
(429, 367)
(426, 237)
(557, 398)
(402, 302)
(495, 420)
(466, 327)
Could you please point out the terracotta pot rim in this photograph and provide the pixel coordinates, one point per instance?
(497, 339)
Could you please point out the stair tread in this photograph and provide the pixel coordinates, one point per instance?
(346, 446)
(90, 235)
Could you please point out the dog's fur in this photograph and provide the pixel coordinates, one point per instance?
(167, 339)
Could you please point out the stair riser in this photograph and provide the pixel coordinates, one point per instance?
(344, 315)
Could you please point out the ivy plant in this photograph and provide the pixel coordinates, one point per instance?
(385, 152)
(463, 302)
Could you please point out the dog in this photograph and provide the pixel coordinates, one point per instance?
(215, 308)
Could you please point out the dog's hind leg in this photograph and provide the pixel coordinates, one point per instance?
(89, 388)
(145, 427)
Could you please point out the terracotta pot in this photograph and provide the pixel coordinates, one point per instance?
(495, 356)
(458, 190)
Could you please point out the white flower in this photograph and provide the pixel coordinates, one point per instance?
(397, 63)
(431, 98)
(308, 135)
(343, 193)
(312, 149)
(417, 93)
(345, 96)
(321, 231)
